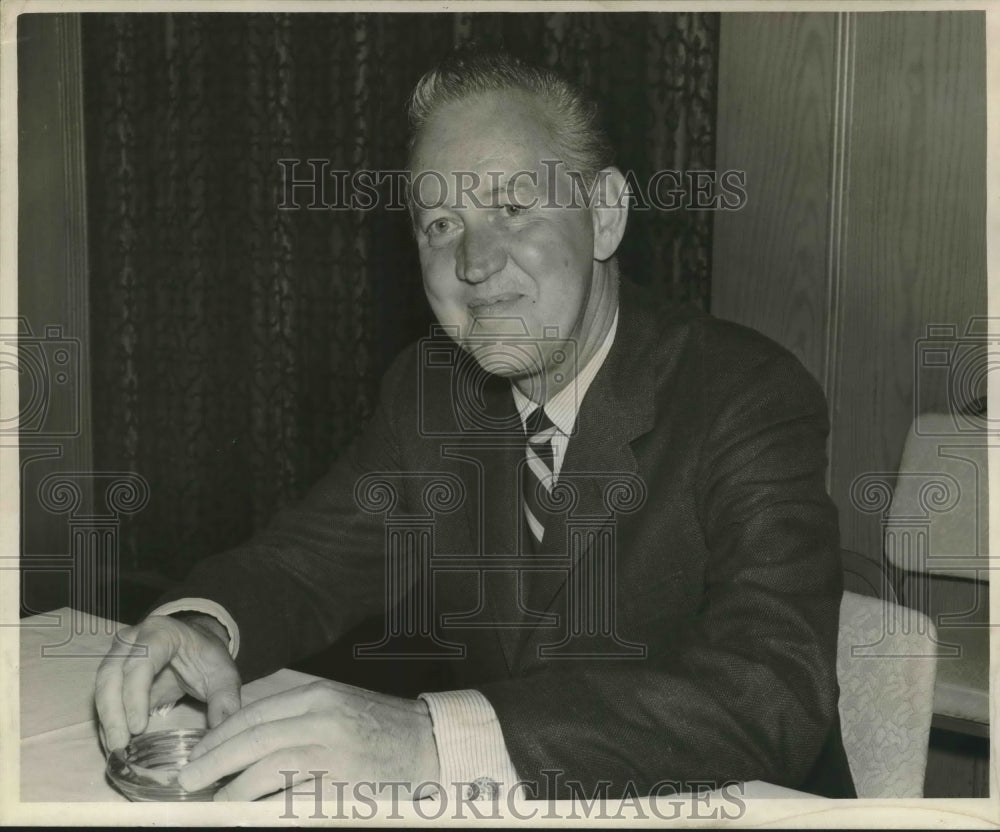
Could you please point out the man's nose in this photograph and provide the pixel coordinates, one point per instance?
(480, 255)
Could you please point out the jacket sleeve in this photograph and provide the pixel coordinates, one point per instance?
(317, 568)
(745, 688)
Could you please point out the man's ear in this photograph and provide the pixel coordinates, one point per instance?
(609, 212)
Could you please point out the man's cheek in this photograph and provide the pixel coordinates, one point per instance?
(440, 285)
(549, 260)
(437, 264)
(449, 313)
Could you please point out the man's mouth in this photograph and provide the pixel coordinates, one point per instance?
(493, 304)
(481, 306)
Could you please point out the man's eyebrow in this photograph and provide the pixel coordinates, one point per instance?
(503, 189)
(528, 187)
(429, 209)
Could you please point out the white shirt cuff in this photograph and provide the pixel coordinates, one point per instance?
(204, 605)
(471, 750)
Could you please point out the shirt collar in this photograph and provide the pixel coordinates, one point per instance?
(563, 407)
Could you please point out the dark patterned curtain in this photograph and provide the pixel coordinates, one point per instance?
(236, 346)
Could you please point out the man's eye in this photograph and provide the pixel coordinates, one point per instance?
(513, 210)
(442, 225)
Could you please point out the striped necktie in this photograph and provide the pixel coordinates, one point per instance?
(537, 474)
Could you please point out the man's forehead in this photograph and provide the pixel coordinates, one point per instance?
(499, 130)
(491, 145)
(499, 168)
(490, 188)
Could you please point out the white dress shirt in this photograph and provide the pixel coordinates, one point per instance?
(469, 739)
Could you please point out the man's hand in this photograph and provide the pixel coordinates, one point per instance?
(161, 659)
(349, 733)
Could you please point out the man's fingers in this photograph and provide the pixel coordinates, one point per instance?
(108, 699)
(122, 687)
(289, 703)
(134, 676)
(148, 657)
(266, 776)
(223, 698)
(245, 749)
(165, 691)
(137, 679)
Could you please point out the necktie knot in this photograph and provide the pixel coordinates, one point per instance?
(537, 422)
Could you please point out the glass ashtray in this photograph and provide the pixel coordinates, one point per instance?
(146, 769)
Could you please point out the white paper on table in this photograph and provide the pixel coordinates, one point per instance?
(61, 755)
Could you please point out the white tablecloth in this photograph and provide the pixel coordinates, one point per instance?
(61, 756)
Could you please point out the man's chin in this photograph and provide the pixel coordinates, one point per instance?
(487, 328)
(511, 361)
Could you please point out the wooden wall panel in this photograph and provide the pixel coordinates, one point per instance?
(775, 116)
(915, 250)
(863, 138)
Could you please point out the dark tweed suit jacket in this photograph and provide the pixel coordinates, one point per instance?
(726, 581)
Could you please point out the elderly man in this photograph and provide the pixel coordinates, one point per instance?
(725, 572)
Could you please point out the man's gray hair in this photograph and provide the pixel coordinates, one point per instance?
(572, 118)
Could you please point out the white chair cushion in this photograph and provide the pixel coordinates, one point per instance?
(886, 669)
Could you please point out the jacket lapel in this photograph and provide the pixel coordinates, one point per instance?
(492, 446)
(616, 410)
